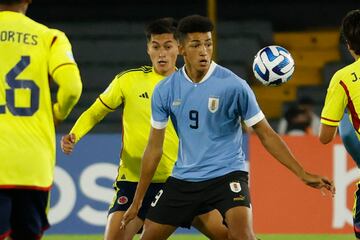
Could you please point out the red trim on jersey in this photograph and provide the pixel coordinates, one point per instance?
(69, 63)
(105, 104)
(53, 41)
(330, 120)
(5, 235)
(354, 116)
(25, 187)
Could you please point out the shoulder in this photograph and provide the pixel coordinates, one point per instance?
(134, 72)
(227, 74)
(345, 73)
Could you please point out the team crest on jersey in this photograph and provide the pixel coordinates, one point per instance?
(122, 200)
(213, 104)
(235, 187)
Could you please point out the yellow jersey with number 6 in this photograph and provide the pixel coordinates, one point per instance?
(30, 53)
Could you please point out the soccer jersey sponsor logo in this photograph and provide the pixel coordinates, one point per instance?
(122, 200)
(239, 198)
(213, 104)
(235, 187)
(144, 95)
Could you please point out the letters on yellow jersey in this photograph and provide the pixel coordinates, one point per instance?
(18, 37)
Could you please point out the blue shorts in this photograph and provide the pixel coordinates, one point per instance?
(23, 213)
(125, 194)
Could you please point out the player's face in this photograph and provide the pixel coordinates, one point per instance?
(163, 50)
(197, 49)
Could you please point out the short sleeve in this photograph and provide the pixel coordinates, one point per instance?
(159, 110)
(60, 51)
(335, 102)
(250, 111)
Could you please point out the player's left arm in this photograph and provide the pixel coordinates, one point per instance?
(64, 71)
(280, 151)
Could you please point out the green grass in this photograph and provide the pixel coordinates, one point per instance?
(199, 237)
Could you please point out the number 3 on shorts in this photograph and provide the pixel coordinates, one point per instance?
(157, 197)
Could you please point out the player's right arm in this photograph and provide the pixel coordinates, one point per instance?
(150, 161)
(107, 102)
(83, 125)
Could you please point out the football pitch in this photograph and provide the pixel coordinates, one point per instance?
(199, 237)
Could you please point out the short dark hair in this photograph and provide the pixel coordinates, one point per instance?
(350, 30)
(160, 26)
(192, 24)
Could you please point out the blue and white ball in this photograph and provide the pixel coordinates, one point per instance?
(273, 65)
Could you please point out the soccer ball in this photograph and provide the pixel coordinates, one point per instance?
(273, 65)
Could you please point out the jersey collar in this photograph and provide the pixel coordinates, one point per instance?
(207, 75)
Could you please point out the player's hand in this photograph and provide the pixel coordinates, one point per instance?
(129, 215)
(319, 182)
(68, 143)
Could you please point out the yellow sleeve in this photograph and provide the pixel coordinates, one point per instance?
(113, 95)
(94, 114)
(60, 51)
(68, 79)
(335, 102)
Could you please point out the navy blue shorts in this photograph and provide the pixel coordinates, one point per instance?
(186, 200)
(23, 213)
(125, 194)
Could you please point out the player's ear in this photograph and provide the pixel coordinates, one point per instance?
(181, 50)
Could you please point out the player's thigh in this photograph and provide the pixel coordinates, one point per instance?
(29, 214)
(240, 223)
(176, 204)
(124, 195)
(5, 213)
(113, 231)
(156, 231)
(211, 225)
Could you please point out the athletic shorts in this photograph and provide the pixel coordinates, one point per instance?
(124, 196)
(356, 212)
(180, 201)
(23, 213)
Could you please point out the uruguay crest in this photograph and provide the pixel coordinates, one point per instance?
(235, 187)
(213, 104)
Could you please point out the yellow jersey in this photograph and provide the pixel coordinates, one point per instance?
(343, 93)
(30, 53)
(132, 91)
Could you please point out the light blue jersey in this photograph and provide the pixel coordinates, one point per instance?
(206, 117)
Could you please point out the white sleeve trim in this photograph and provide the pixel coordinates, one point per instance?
(255, 119)
(158, 125)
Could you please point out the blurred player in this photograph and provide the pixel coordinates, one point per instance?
(132, 90)
(343, 95)
(205, 103)
(30, 54)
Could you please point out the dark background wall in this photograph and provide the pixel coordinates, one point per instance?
(285, 15)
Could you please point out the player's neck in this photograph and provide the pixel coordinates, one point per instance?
(19, 7)
(194, 74)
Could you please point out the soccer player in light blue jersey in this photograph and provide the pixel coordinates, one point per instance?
(206, 103)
